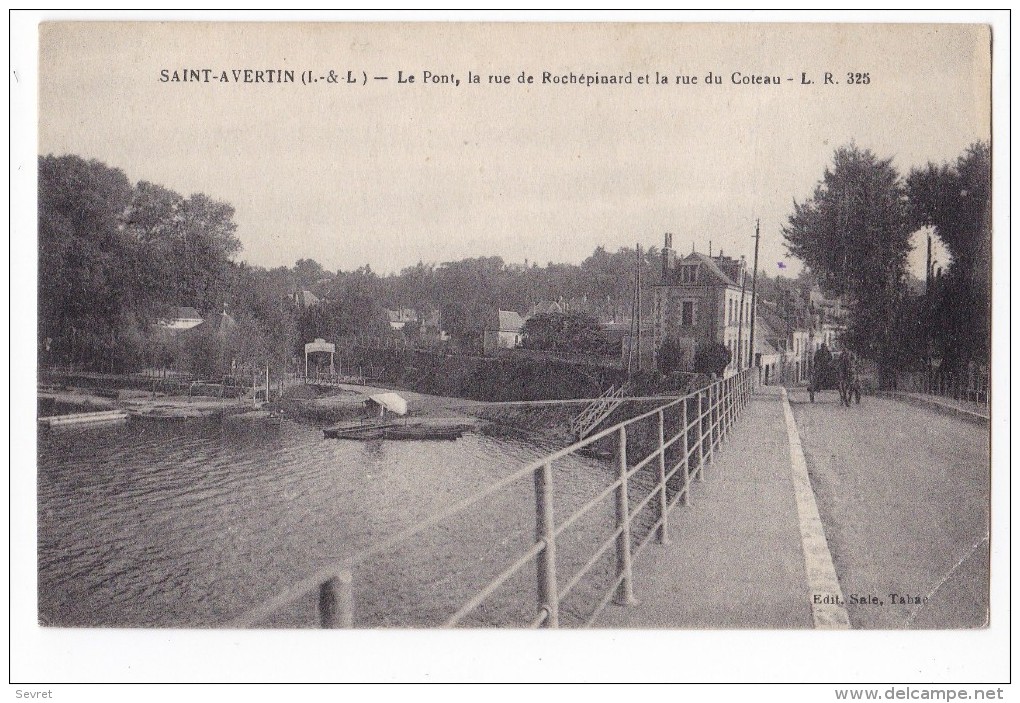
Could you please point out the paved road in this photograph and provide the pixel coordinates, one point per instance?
(903, 494)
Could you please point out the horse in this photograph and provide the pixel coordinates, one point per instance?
(849, 383)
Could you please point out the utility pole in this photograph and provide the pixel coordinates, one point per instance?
(740, 317)
(754, 285)
(927, 269)
(639, 308)
(633, 319)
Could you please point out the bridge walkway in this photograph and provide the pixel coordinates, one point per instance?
(737, 554)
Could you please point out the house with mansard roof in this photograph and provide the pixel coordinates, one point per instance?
(703, 298)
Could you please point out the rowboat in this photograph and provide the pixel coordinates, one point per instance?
(413, 431)
(84, 419)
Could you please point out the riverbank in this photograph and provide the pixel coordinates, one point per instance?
(136, 403)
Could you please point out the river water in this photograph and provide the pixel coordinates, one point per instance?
(193, 523)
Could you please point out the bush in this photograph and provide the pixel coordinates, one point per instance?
(711, 357)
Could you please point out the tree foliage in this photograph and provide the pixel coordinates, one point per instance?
(854, 234)
(955, 201)
(565, 332)
(114, 257)
(711, 357)
(672, 355)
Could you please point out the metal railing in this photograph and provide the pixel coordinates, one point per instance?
(965, 387)
(598, 411)
(705, 418)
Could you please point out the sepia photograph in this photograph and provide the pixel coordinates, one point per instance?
(609, 326)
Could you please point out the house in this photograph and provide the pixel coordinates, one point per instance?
(829, 320)
(432, 327)
(182, 318)
(769, 362)
(304, 298)
(402, 316)
(796, 327)
(548, 308)
(701, 299)
(505, 331)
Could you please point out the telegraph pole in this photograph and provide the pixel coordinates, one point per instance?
(754, 285)
(928, 268)
(639, 308)
(740, 317)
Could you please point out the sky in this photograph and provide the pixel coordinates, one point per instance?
(391, 173)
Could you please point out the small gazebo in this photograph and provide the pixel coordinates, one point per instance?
(324, 347)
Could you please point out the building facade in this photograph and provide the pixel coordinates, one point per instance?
(702, 299)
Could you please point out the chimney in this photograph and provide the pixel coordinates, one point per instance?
(668, 257)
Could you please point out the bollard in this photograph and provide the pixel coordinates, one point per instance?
(663, 503)
(625, 591)
(545, 531)
(336, 602)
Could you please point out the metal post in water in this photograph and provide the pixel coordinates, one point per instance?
(625, 591)
(545, 531)
(663, 537)
(336, 602)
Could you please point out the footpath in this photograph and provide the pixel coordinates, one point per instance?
(749, 552)
(963, 409)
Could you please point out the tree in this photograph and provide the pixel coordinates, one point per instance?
(711, 357)
(955, 201)
(672, 356)
(854, 235)
(185, 244)
(85, 259)
(565, 332)
(308, 272)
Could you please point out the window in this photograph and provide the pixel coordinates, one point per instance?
(688, 274)
(687, 313)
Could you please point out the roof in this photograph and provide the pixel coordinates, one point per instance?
(709, 263)
(762, 346)
(546, 308)
(402, 315)
(306, 298)
(186, 313)
(510, 321)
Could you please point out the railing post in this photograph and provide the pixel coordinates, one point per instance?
(711, 424)
(545, 531)
(625, 591)
(724, 421)
(336, 602)
(713, 412)
(687, 462)
(702, 456)
(663, 503)
(728, 403)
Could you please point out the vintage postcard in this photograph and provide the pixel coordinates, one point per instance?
(617, 326)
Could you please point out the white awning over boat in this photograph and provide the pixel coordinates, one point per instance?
(391, 401)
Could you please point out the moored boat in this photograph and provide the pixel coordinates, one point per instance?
(409, 431)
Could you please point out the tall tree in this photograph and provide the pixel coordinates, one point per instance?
(854, 235)
(955, 201)
(85, 258)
